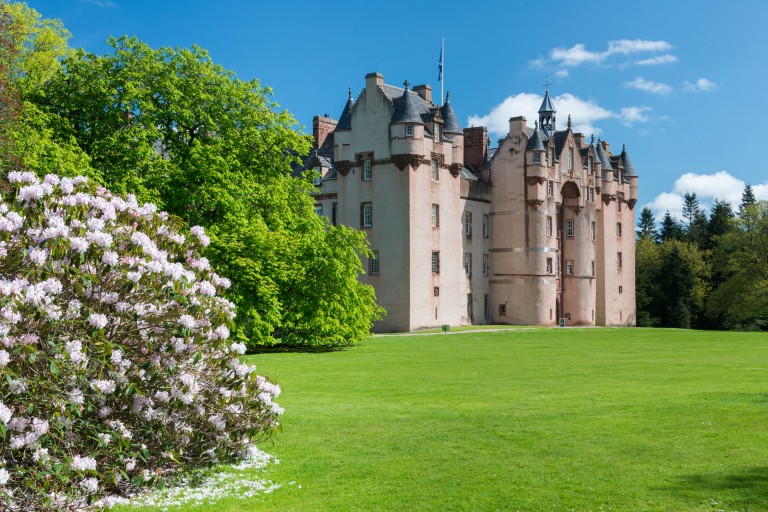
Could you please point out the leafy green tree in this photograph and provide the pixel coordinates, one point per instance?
(647, 228)
(172, 127)
(648, 291)
(742, 299)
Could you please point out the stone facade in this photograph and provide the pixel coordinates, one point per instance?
(534, 231)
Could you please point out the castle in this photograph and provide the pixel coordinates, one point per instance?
(537, 231)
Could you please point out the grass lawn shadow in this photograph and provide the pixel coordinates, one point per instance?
(748, 485)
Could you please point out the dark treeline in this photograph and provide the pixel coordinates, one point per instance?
(707, 272)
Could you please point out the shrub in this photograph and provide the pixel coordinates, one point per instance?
(115, 365)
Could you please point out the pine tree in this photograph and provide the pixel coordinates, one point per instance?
(646, 228)
(747, 199)
(670, 228)
(720, 220)
(676, 279)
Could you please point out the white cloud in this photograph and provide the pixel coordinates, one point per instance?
(584, 113)
(659, 59)
(649, 86)
(708, 187)
(562, 73)
(101, 3)
(631, 115)
(578, 54)
(702, 84)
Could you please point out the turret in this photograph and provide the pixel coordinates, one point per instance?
(630, 175)
(547, 115)
(609, 185)
(453, 131)
(407, 127)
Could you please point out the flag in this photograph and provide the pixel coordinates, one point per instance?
(440, 66)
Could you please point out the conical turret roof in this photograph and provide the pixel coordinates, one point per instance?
(603, 157)
(629, 169)
(535, 143)
(407, 110)
(345, 121)
(546, 105)
(450, 122)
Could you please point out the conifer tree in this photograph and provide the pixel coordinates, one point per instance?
(670, 228)
(646, 228)
(747, 199)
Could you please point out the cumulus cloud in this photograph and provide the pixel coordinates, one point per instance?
(648, 85)
(700, 85)
(584, 113)
(578, 54)
(631, 115)
(101, 3)
(708, 187)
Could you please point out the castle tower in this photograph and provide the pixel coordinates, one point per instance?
(547, 115)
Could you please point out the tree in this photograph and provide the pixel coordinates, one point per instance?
(671, 229)
(696, 229)
(747, 199)
(742, 297)
(648, 289)
(647, 226)
(172, 127)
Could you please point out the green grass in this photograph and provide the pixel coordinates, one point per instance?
(543, 419)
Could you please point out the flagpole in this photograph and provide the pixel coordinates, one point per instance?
(442, 82)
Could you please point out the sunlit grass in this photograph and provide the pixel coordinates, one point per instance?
(544, 419)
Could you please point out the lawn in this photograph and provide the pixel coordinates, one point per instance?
(540, 419)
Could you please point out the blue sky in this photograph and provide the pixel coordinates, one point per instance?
(680, 83)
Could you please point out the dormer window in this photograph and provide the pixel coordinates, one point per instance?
(537, 158)
(590, 165)
(409, 130)
(318, 177)
(570, 159)
(437, 132)
(550, 156)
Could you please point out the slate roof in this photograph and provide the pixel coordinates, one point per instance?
(629, 169)
(546, 105)
(560, 138)
(603, 157)
(535, 141)
(451, 123)
(407, 110)
(345, 121)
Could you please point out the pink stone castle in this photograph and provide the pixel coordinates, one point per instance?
(537, 231)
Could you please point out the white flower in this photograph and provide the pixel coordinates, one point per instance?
(104, 438)
(41, 455)
(78, 243)
(238, 348)
(110, 258)
(4, 476)
(207, 289)
(38, 256)
(221, 333)
(74, 349)
(100, 238)
(98, 320)
(90, 485)
(130, 464)
(5, 413)
(199, 232)
(83, 463)
(76, 397)
(105, 386)
(4, 357)
(187, 321)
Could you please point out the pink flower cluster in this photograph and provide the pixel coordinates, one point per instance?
(113, 347)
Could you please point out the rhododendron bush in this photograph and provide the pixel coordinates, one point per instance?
(115, 365)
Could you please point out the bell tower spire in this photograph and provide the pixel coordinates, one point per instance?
(547, 113)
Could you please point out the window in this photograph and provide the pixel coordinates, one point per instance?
(550, 156)
(468, 223)
(486, 226)
(618, 229)
(602, 174)
(435, 262)
(502, 310)
(594, 230)
(334, 213)
(591, 194)
(436, 291)
(570, 159)
(409, 130)
(551, 188)
(590, 165)
(486, 265)
(618, 202)
(435, 215)
(618, 260)
(593, 268)
(549, 265)
(435, 173)
(318, 177)
(468, 263)
(373, 264)
(537, 158)
(569, 228)
(367, 169)
(557, 265)
(319, 209)
(486, 306)
(437, 132)
(621, 289)
(366, 215)
(469, 306)
(569, 267)
(549, 226)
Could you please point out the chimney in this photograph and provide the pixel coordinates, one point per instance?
(321, 128)
(475, 146)
(373, 80)
(517, 126)
(579, 138)
(425, 91)
(606, 147)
